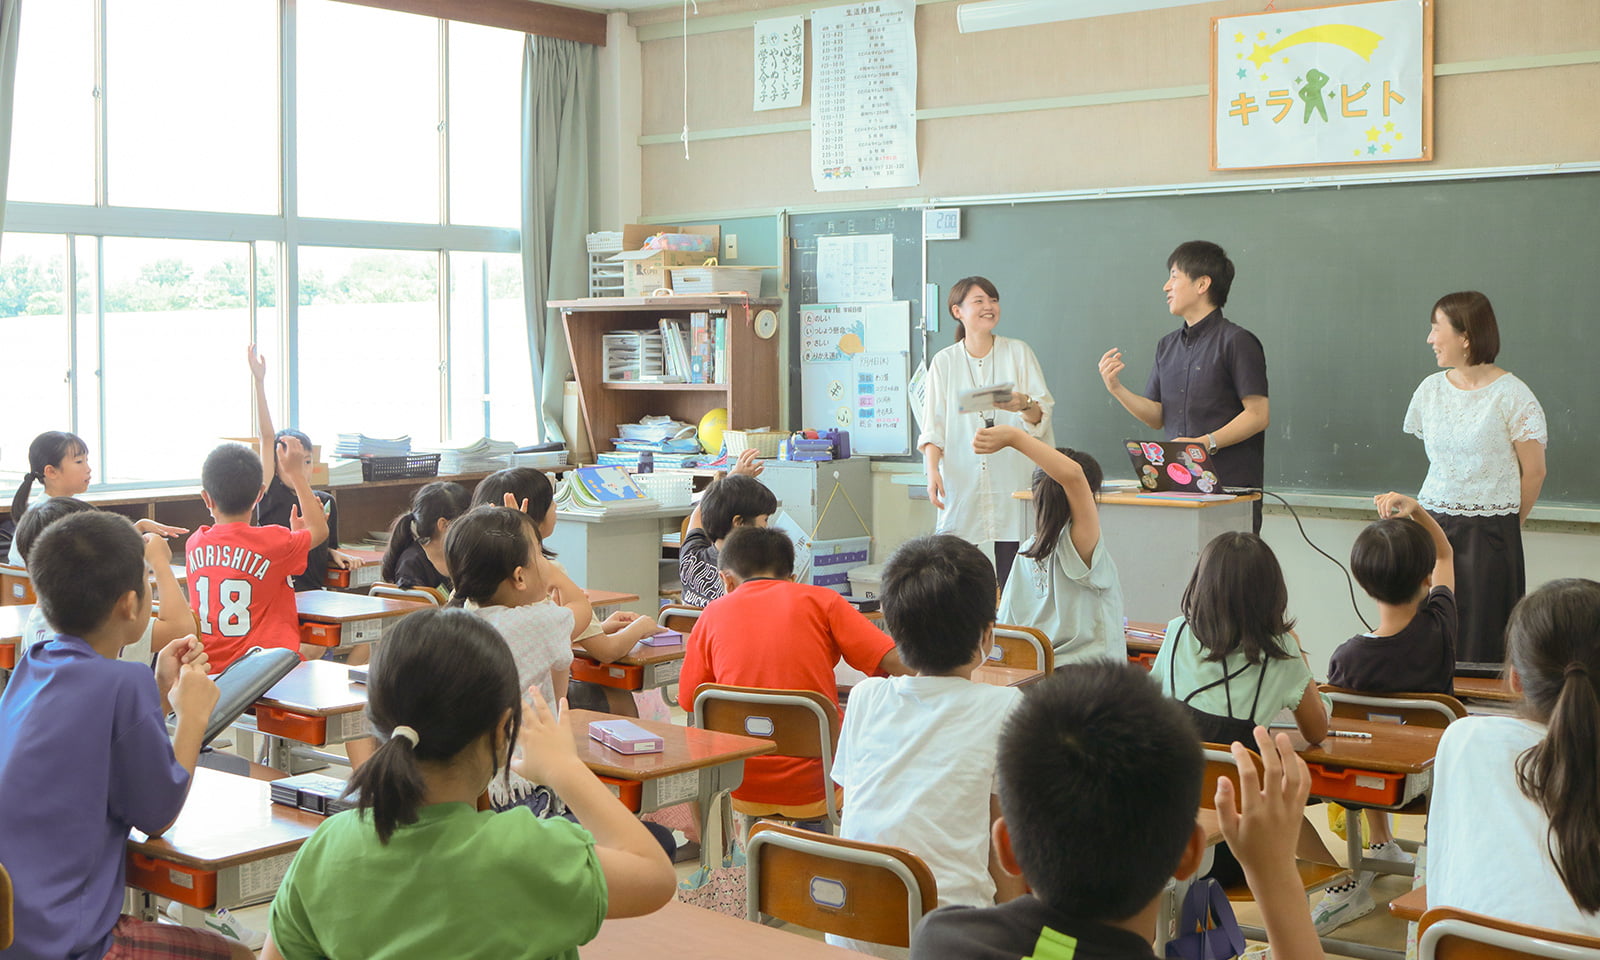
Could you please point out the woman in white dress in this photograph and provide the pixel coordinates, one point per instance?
(1485, 435)
(973, 491)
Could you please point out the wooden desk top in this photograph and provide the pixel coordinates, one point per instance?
(1000, 675)
(365, 555)
(227, 821)
(1411, 905)
(317, 688)
(1137, 634)
(686, 749)
(1394, 748)
(607, 598)
(330, 606)
(1486, 688)
(13, 617)
(695, 932)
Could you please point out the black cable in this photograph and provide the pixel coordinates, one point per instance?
(1349, 584)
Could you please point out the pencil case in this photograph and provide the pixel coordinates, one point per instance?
(624, 736)
(663, 638)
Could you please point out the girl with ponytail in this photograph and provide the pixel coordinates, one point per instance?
(444, 700)
(415, 555)
(1514, 829)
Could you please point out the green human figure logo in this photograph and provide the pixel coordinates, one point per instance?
(1311, 93)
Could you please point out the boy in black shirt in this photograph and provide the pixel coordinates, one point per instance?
(1099, 787)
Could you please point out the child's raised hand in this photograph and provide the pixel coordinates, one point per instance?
(166, 530)
(157, 551)
(510, 500)
(292, 455)
(1393, 504)
(747, 463)
(258, 363)
(1262, 824)
(545, 741)
(994, 439)
(194, 693)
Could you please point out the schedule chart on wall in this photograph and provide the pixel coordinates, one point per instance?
(864, 96)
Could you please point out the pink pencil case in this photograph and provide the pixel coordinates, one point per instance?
(663, 638)
(625, 736)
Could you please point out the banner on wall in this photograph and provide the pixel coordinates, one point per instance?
(780, 62)
(1344, 84)
(864, 96)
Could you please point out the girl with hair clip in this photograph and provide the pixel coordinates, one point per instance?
(1066, 583)
(1232, 660)
(59, 462)
(445, 701)
(415, 555)
(529, 490)
(1514, 825)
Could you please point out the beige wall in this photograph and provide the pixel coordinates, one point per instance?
(1491, 109)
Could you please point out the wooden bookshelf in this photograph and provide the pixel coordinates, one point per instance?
(751, 390)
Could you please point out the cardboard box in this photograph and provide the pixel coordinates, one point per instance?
(645, 271)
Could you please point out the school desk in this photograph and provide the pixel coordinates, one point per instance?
(1144, 640)
(316, 705)
(329, 618)
(364, 575)
(16, 587)
(1000, 675)
(619, 552)
(13, 617)
(230, 846)
(1492, 689)
(685, 931)
(695, 764)
(642, 668)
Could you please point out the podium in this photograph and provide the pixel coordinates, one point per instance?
(1156, 544)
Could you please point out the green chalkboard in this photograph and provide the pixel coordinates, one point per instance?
(1338, 283)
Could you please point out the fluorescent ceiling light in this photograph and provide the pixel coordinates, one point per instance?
(1000, 14)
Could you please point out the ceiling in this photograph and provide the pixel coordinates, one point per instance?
(608, 5)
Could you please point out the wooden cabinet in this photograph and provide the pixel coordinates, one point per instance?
(750, 392)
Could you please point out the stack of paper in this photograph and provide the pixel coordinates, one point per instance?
(479, 456)
(342, 473)
(361, 445)
(538, 461)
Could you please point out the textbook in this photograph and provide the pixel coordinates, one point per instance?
(602, 490)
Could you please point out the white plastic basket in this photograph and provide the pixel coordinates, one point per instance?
(668, 489)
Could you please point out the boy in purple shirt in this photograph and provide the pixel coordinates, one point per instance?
(84, 754)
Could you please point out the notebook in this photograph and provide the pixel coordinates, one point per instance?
(1167, 465)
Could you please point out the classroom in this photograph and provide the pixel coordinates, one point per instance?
(406, 213)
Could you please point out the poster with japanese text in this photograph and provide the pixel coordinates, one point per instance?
(780, 65)
(832, 337)
(864, 96)
(881, 413)
(1351, 83)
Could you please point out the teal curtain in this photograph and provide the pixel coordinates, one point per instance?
(558, 96)
(10, 21)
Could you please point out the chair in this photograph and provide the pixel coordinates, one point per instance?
(802, 723)
(15, 585)
(1020, 646)
(1445, 933)
(680, 617)
(865, 891)
(1220, 765)
(6, 931)
(390, 591)
(1421, 709)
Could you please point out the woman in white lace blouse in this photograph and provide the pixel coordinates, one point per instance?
(1485, 435)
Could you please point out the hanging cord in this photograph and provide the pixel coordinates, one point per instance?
(685, 135)
(1349, 584)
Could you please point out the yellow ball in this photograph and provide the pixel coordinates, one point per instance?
(711, 427)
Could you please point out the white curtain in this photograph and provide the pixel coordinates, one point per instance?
(10, 22)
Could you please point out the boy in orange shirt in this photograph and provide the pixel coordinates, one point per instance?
(769, 632)
(239, 585)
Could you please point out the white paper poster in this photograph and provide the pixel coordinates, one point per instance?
(864, 96)
(881, 414)
(831, 337)
(780, 66)
(1341, 84)
(855, 269)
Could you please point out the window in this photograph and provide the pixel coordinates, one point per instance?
(157, 208)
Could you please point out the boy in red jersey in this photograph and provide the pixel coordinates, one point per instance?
(239, 585)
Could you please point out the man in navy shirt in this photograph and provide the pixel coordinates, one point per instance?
(1209, 380)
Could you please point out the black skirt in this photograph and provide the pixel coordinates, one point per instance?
(1490, 579)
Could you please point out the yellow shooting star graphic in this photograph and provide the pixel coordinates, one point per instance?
(1358, 40)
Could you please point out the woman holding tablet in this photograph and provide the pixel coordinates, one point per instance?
(1485, 435)
(972, 491)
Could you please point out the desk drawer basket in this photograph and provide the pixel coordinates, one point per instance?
(670, 489)
(1357, 786)
(400, 468)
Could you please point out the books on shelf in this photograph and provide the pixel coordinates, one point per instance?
(361, 445)
(601, 490)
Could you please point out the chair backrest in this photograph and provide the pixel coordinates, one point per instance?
(6, 926)
(1020, 646)
(431, 595)
(1419, 709)
(15, 585)
(1446, 933)
(1219, 766)
(802, 723)
(680, 617)
(865, 891)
